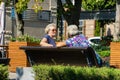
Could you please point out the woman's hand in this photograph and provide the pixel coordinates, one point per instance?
(60, 44)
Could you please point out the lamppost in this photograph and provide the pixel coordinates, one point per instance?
(13, 17)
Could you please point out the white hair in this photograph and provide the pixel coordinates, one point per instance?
(72, 30)
(49, 26)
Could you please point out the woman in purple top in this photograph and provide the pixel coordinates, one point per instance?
(75, 39)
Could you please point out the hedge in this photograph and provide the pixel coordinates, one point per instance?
(4, 73)
(60, 72)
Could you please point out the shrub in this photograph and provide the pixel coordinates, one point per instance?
(60, 72)
(3, 72)
(103, 51)
(107, 39)
(26, 38)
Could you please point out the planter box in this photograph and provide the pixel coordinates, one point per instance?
(115, 54)
(18, 57)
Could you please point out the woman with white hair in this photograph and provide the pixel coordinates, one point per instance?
(77, 40)
(74, 38)
(48, 39)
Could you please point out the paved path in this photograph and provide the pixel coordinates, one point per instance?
(12, 76)
(25, 73)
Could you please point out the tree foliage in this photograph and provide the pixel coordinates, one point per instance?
(97, 29)
(7, 2)
(37, 4)
(21, 5)
(98, 4)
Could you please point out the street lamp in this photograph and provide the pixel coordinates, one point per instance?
(13, 17)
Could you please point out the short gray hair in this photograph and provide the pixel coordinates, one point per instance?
(72, 30)
(49, 26)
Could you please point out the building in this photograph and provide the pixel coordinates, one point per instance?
(34, 23)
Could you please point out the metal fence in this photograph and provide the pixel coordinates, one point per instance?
(46, 15)
(98, 15)
(30, 14)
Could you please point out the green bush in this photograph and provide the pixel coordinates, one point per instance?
(3, 72)
(26, 38)
(103, 51)
(60, 72)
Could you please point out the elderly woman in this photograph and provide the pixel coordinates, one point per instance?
(48, 39)
(75, 39)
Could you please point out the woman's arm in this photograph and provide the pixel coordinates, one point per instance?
(44, 42)
(60, 44)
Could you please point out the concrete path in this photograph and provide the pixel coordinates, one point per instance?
(12, 76)
(25, 73)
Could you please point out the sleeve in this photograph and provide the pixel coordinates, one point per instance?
(47, 37)
(68, 43)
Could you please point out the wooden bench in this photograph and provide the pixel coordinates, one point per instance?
(64, 56)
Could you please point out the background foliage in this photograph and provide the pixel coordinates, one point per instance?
(99, 5)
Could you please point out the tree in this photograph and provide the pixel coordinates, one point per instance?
(70, 11)
(98, 5)
(20, 6)
(117, 25)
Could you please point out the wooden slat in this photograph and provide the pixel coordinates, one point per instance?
(115, 54)
(17, 56)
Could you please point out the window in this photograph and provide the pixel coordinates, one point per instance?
(44, 15)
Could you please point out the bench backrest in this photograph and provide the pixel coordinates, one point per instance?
(64, 56)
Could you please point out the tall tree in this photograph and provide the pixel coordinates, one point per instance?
(20, 6)
(117, 25)
(70, 11)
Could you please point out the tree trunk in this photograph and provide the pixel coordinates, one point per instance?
(19, 24)
(117, 22)
(75, 13)
(72, 14)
